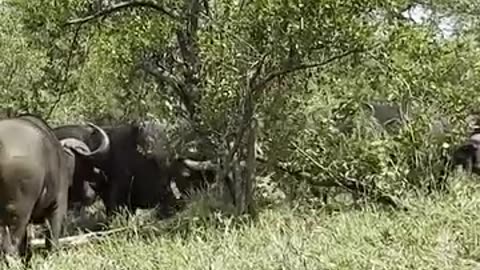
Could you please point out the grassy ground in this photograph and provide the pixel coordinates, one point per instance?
(439, 232)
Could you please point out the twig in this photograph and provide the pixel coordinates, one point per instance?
(260, 86)
(258, 65)
(124, 5)
(248, 106)
(62, 91)
(77, 239)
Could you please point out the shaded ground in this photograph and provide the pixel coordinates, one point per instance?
(78, 222)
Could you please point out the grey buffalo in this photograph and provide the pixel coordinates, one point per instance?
(36, 177)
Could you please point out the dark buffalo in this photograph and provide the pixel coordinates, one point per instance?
(135, 178)
(128, 177)
(138, 171)
(467, 155)
(36, 175)
(91, 137)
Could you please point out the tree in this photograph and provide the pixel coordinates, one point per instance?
(290, 76)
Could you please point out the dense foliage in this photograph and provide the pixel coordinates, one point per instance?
(324, 62)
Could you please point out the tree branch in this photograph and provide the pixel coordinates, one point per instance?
(252, 78)
(121, 6)
(259, 86)
(295, 68)
(187, 42)
(62, 91)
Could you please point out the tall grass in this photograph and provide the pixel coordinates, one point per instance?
(437, 232)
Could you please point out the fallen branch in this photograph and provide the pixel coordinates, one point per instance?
(77, 239)
(121, 6)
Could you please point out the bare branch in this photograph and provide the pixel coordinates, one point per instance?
(248, 109)
(275, 74)
(62, 90)
(77, 239)
(161, 74)
(121, 6)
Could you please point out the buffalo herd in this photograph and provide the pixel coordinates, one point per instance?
(45, 171)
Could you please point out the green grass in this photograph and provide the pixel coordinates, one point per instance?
(438, 232)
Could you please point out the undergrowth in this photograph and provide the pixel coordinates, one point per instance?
(440, 231)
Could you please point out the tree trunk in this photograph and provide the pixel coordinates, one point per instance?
(250, 170)
(240, 161)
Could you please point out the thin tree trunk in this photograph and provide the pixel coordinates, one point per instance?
(250, 169)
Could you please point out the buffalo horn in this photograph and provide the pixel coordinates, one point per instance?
(76, 145)
(200, 165)
(105, 142)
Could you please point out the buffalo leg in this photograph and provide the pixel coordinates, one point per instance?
(8, 243)
(15, 233)
(111, 193)
(111, 202)
(17, 207)
(55, 223)
(117, 193)
(25, 249)
(14, 242)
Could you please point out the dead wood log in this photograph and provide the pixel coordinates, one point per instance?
(77, 239)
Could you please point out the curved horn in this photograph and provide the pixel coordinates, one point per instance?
(200, 165)
(104, 146)
(76, 145)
